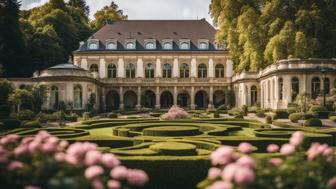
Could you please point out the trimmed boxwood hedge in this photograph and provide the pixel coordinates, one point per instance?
(281, 114)
(313, 122)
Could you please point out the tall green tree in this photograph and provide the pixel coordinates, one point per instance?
(80, 4)
(106, 15)
(11, 43)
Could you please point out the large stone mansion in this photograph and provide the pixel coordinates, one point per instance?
(159, 63)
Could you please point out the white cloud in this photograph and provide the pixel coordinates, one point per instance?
(147, 9)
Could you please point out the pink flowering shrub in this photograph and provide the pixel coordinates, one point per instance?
(286, 166)
(44, 161)
(174, 113)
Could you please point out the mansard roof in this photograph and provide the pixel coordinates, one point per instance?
(141, 30)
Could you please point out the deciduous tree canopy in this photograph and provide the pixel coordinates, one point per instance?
(260, 32)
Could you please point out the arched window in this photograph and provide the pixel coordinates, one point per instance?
(184, 71)
(254, 94)
(280, 85)
(203, 45)
(54, 97)
(315, 87)
(326, 86)
(94, 68)
(184, 45)
(167, 45)
(78, 97)
(111, 71)
(111, 45)
(295, 88)
(219, 70)
(167, 71)
(130, 45)
(93, 46)
(130, 71)
(150, 45)
(202, 71)
(149, 71)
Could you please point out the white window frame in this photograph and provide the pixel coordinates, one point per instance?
(150, 41)
(93, 42)
(183, 41)
(167, 41)
(203, 41)
(133, 41)
(111, 41)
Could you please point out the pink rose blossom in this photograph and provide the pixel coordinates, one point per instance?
(60, 156)
(223, 155)
(119, 172)
(272, 148)
(97, 184)
(63, 144)
(110, 161)
(297, 138)
(87, 146)
(332, 183)
(9, 139)
(21, 150)
(49, 147)
(34, 147)
(275, 162)
(287, 149)
(15, 165)
(72, 159)
(247, 161)
(92, 157)
(27, 140)
(245, 147)
(220, 185)
(75, 149)
(229, 172)
(31, 187)
(214, 173)
(113, 184)
(137, 177)
(93, 172)
(244, 176)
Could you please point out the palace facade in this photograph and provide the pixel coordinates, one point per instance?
(159, 63)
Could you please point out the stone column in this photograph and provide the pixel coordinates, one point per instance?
(210, 105)
(158, 68)
(140, 68)
(175, 68)
(262, 95)
(102, 68)
(121, 68)
(192, 98)
(121, 95)
(229, 68)
(175, 95)
(84, 64)
(287, 89)
(193, 67)
(211, 68)
(138, 106)
(157, 99)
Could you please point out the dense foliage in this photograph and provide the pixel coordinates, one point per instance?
(260, 32)
(44, 36)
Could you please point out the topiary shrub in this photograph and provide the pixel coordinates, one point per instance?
(321, 114)
(281, 114)
(269, 119)
(12, 123)
(292, 110)
(239, 116)
(32, 124)
(295, 117)
(112, 115)
(333, 118)
(307, 116)
(72, 117)
(260, 113)
(216, 115)
(86, 116)
(234, 111)
(317, 108)
(23, 115)
(313, 122)
(244, 110)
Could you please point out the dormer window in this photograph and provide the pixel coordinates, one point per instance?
(221, 46)
(185, 44)
(167, 44)
(93, 44)
(111, 44)
(150, 44)
(130, 44)
(203, 44)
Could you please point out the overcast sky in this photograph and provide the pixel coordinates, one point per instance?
(147, 9)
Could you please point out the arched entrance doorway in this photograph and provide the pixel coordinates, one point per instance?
(218, 98)
(148, 99)
(166, 99)
(112, 101)
(201, 99)
(183, 99)
(130, 99)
